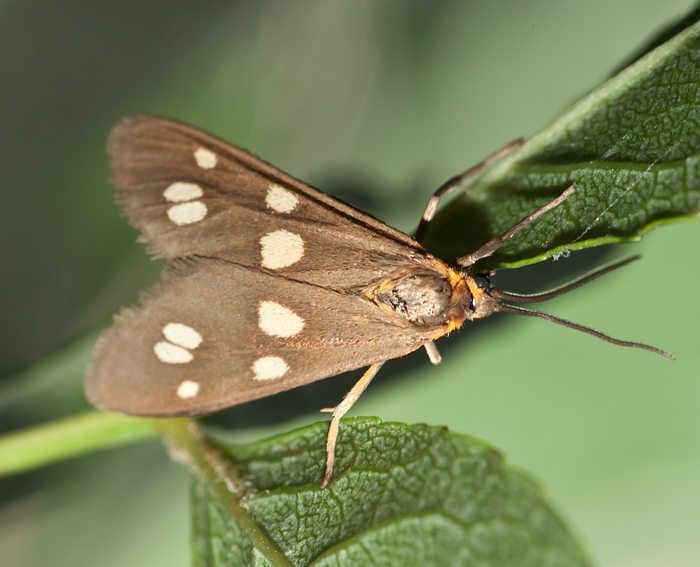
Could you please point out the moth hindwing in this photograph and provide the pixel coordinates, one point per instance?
(270, 283)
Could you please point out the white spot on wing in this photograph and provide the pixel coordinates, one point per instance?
(172, 354)
(280, 199)
(187, 389)
(280, 249)
(182, 335)
(176, 349)
(181, 191)
(277, 320)
(206, 159)
(269, 368)
(187, 213)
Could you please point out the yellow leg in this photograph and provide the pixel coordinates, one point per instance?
(338, 412)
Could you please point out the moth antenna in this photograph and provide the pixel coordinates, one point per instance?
(566, 288)
(588, 330)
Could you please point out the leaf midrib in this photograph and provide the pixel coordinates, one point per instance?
(208, 461)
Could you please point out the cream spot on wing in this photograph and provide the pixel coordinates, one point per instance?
(280, 199)
(269, 368)
(277, 320)
(206, 159)
(172, 354)
(181, 191)
(187, 213)
(182, 335)
(187, 389)
(280, 249)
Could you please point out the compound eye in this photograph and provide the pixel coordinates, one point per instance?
(482, 281)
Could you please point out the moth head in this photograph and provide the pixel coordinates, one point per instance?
(484, 299)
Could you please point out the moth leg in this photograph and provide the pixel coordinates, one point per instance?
(338, 412)
(457, 183)
(433, 353)
(495, 243)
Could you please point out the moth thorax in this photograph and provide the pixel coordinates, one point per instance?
(422, 299)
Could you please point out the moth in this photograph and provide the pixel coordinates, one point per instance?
(270, 284)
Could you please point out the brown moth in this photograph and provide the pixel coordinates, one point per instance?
(271, 284)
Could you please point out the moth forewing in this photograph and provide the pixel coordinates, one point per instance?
(234, 206)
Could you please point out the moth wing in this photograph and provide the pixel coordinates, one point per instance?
(191, 193)
(215, 334)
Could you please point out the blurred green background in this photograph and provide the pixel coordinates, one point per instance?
(377, 102)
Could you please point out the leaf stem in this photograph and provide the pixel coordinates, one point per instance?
(59, 440)
(187, 444)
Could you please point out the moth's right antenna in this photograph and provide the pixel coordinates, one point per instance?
(588, 330)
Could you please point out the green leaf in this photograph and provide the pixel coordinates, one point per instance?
(218, 540)
(401, 495)
(631, 148)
